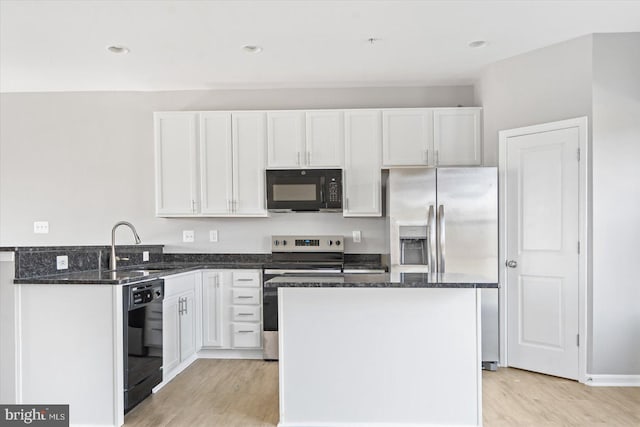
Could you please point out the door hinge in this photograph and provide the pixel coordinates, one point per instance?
(578, 340)
(578, 246)
(578, 152)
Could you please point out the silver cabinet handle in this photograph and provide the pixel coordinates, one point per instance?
(308, 157)
(431, 241)
(245, 314)
(228, 205)
(512, 264)
(244, 297)
(426, 155)
(193, 206)
(244, 280)
(441, 239)
(298, 158)
(245, 332)
(437, 157)
(180, 310)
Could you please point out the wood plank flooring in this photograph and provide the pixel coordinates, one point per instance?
(239, 393)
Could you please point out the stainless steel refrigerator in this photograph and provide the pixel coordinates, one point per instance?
(445, 220)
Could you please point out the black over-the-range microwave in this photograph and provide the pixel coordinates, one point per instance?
(304, 190)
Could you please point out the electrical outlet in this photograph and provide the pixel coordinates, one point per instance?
(41, 227)
(145, 255)
(188, 236)
(213, 235)
(357, 237)
(62, 262)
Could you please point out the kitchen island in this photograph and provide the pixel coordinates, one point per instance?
(380, 350)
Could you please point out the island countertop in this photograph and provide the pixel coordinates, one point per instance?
(381, 280)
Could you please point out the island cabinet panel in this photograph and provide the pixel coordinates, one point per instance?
(409, 356)
(176, 139)
(363, 160)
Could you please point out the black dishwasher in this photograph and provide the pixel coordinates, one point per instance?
(142, 340)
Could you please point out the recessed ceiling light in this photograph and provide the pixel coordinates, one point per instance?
(250, 48)
(478, 43)
(118, 49)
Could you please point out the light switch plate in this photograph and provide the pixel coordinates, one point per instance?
(145, 255)
(62, 262)
(213, 235)
(188, 236)
(41, 227)
(357, 237)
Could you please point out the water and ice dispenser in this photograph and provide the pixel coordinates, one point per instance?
(413, 244)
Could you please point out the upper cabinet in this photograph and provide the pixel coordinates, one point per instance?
(457, 136)
(210, 164)
(176, 172)
(298, 139)
(431, 137)
(407, 137)
(363, 160)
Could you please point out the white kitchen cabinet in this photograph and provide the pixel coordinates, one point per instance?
(285, 138)
(232, 309)
(457, 136)
(212, 310)
(180, 313)
(407, 137)
(299, 139)
(325, 139)
(363, 160)
(175, 160)
(216, 163)
(248, 164)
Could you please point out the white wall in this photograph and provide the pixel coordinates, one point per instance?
(616, 204)
(83, 161)
(549, 84)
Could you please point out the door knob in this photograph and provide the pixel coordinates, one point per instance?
(512, 264)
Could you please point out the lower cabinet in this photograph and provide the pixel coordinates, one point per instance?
(179, 315)
(232, 309)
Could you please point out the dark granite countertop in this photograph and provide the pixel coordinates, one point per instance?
(382, 280)
(132, 274)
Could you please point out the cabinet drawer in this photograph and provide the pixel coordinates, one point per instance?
(246, 314)
(245, 335)
(248, 279)
(246, 296)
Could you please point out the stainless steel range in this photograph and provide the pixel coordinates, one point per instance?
(296, 255)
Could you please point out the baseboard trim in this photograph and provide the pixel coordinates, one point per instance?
(613, 380)
(206, 353)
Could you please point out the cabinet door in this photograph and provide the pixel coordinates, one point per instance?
(407, 137)
(285, 138)
(170, 335)
(175, 161)
(249, 164)
(457, 136)
(188, 326)
(216, 159)
(363, 160)
(325, 139)
(212, 309)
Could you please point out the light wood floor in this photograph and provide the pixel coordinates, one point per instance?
(234, 393)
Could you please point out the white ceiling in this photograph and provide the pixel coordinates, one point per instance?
(59, 45)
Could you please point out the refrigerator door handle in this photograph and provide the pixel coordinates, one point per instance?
(441, 239)
(431, 238)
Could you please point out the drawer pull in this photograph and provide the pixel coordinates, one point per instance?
(244, 280)
(246, 332)
(245, 314)
(245, 297)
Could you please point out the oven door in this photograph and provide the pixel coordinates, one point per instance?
(295, 190)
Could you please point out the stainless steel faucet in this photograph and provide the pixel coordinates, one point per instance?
(113, 259)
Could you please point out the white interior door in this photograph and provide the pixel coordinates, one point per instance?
(542, 249)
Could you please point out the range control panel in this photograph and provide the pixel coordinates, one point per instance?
(330, 243)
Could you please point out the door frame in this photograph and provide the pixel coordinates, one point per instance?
(583, 219)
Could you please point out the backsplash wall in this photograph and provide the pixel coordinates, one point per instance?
(83, 161)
